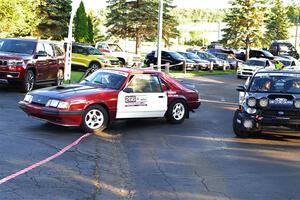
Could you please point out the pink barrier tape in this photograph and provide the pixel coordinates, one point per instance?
(23, 171)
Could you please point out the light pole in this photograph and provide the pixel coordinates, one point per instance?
(160, 27)
(296, 36)
(67, 72)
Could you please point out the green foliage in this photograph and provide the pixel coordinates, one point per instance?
(244, 21)
(54, 18)
(277, 23)
(90, 30)
(138, 20)
(196, 42)
(293, 12)
(98, 19)
(81, 33)
(17, 18)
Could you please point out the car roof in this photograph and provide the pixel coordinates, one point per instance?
(292, 71)
(133, 71)
(260, 59)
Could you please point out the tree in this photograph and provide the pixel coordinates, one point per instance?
(98, 18)
(138, 20)
(81, 25)
(278, 22)
(90, 30)
(244, 21)
(17, 18)
(54, 15)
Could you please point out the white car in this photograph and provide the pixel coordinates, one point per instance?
(251, 66)
(125, 58)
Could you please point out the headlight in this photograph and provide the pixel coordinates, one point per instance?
(105, 61)
(57, 104)
(251, 102)
(263, 102)
(15, 62)
(297, 103)
(251, 111)
(28, 98)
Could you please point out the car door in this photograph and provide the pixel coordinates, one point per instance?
(80, 56)
(142, 98)
(41, 64)
(51, 61)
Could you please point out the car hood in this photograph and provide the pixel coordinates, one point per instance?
(252, 67)
(68, 91)
(14, 56)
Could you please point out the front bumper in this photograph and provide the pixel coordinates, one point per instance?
(259, 121)
(52, 115)
(245, 73)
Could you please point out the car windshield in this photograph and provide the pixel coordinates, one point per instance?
(276, 83)
(285, 62)
(268, 54)
(106, 79)
(176, 55)
(94, 51)
(17, 46)
(192, 56)
(255, 63)
(208, 55)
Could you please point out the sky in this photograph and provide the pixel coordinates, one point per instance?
(206, 4)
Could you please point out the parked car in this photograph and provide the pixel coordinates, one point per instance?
(199, 63)
(251, 66)
(171, 57)
(85, 56)
(230, 59)
(255, 53)
(283, 48)
(110, 94)
(271, 98)
(28, 62)
(217, 62)
(287, 61)
(126, 58)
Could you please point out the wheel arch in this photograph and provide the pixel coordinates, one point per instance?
(182, 98)
(94, 61)
(99, 104)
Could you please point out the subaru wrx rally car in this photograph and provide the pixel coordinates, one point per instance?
(270, 98)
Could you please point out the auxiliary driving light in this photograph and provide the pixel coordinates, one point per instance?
(264, 102)
(248, 124)
(297, 103)
(251, 102)
(251, 111)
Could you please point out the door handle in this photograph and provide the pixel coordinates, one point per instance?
(160, 97)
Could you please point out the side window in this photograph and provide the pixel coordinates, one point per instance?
(267, 64)
(145, 84)
(58, 51)
(164, 85)
(40, 47)
(49, 49)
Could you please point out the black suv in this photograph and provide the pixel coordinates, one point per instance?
(270, 98)
(281, 48)
(255, 54)
(171, 57)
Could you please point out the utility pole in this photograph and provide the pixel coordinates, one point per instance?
(296, 36)
(159, 28)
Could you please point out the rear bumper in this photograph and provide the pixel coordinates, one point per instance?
(52, 115)
(194, 105)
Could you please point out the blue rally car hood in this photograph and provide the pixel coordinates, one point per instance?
(67, 91)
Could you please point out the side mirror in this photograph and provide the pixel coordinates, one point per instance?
(164, 87)
(41, 54)
(128, 90)
(241, 88)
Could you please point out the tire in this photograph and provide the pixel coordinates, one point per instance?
(94, 66)
(94, 119)
(177, 112)
(238, 77)
(59, 78)
(28, 82)
(238, 131)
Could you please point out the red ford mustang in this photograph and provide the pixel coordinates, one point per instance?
(110, 94)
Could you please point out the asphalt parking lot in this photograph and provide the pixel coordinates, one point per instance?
(150, 159)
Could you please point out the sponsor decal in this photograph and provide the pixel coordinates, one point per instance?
(136, 100)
